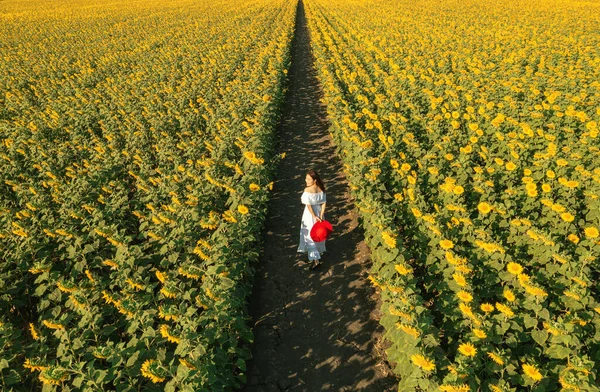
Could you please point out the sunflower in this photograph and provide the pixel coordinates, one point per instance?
(165, 333)
(459, 279)
(484, 208)
(535, 291)
(34, 333)
(150, 370)
(504, 309)
(455, 388)
(567, 217)
(446, 244)
(402, 270)
(167, 292)
(509, 295)
(496, 358)
(467, 349)
(458, 190)
(389, 239)
(34, 364)
(591, 232)
(242, 209)
(531, 371)
(53, 375)
(409, 330)
(466, 310)
(52, 325)
(514, 268)
(464, 296)
(422, 362)
(187, 364)
(161, 276)
(89, 276)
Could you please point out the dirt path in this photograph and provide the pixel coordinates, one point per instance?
(314, 330)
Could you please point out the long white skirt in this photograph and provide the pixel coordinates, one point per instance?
(307, 245)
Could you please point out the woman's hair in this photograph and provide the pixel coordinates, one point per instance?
(313, 174)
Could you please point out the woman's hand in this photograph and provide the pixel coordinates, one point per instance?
(317, 218)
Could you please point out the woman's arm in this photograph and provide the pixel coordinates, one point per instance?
(323, 210)
(313, 213)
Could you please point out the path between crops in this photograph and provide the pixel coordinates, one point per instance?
(314, 330)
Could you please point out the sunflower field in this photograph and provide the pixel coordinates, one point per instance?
(469, 134)
(136, 152)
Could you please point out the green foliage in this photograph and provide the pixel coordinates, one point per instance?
(135, 168)
(476, 177)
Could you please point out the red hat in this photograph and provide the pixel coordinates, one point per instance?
(320, 231)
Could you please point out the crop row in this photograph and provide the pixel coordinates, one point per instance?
(136, 153)
(470, 137)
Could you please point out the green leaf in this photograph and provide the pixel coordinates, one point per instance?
(149, 333)
(77, 381)
(226, 283)
(247, 334)
(502, 328)
(529, 321)
(540, 337)
(539, 388)
(408, 383)
(48, 388)
(133, 359)
(40, 290)
(88, 249)
(99, 376)
(170, 386)
(72, 251)
(120, 255)
(557, 351)
(241, 364)
(60, 350)
(12, 378)
(173, 257)
(424, 384)
(552, 268)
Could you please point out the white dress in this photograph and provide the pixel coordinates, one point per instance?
(314, 249)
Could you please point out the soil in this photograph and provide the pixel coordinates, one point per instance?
(315, 330)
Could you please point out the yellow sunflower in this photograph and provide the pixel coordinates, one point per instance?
(467, 349)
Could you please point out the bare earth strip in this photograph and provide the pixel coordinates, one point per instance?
(314, 330)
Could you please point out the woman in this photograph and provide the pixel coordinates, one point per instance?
(314, 199)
